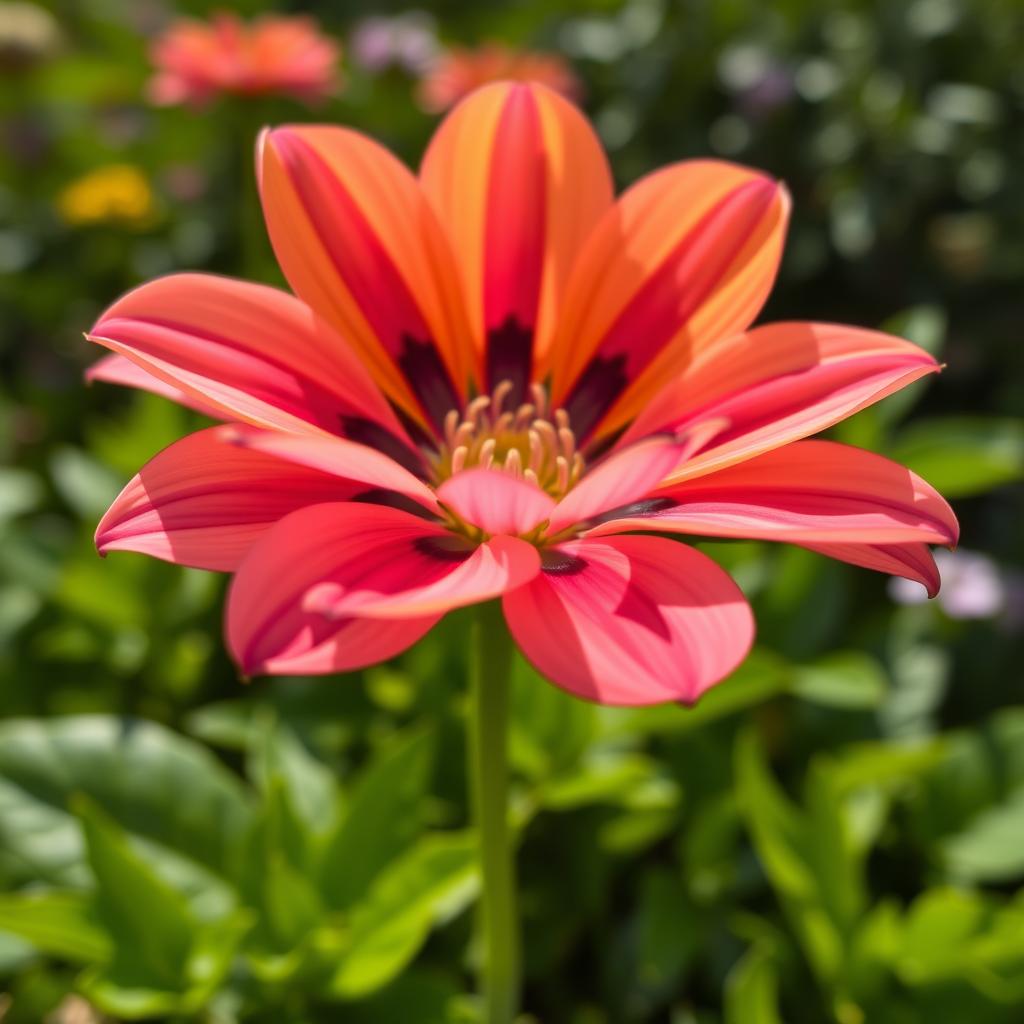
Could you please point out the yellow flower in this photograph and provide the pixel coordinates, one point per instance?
(115, 194)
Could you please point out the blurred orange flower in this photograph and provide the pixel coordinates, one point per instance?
(196, 61)
(460, 70)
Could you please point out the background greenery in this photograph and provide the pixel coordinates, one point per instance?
(835, 835)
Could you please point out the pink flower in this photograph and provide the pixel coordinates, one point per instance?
(286, 56)
(496, 381)
(460, 70)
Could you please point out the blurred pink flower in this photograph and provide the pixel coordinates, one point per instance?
(406, 40)
(972, 586)
(460, 70)
(196, 61)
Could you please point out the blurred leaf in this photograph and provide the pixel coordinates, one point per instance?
(381, 818)
(86, 485)
(433, 881)
(550, 729)
(991, 848)
(59, 923)
(310, 784)
(762, 676)
(155, 784)
(621, 778)
(845, 679)
(806, 857)
(963, 456)
(20, 492)
(150, 928)
(751, 991)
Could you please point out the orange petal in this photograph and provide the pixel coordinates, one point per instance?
(520, 180)
(358, 240)
(686, 256)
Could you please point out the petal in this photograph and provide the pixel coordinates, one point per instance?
(686, 256)
(204, 501)
(806, 492)
(911, 561)
(631, 620)
(368, 466)
(255, 353)
(519, 179)
(358, 240)
(778, 384)
(117, 369)
(301, 591)
(625, 476)
(495, 501)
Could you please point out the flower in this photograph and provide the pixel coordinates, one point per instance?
(496, 381)
(974, 586)
(271, 55)
(406, 40)
(29, 35)
(115, 194)
(458, 71)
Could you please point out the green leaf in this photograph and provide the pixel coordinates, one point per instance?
(762, 676)
(151, 929)
(991, 849)
(382, 818)
(617, 778)
(550, 729)
(59, 923)
(962, 456)
(153, 783)
(280, 755)
(845, 679)
(432, 882)
(794, 849)
(752, 991)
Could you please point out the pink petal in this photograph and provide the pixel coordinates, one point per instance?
(204, 501)
(340, 457)
(496, 501)
(628, 475)
(255, 353)
(631, 620)
(300, 595)
(911, 561)
(808, 491)
(777, 384)
(117, 369)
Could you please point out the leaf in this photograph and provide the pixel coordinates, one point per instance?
(752, 991)
(151, 929)
(153, 783)
(279, 754)
(433, 881)
(794, 850)
(382, 819)
(762, 676)
(59, 923)
(550, 729)
(617, 778)
(962, 456)
(845, 679)
(991, 849)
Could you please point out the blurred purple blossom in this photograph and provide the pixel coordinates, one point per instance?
(973, 587)
(408, 41)
(772, 89)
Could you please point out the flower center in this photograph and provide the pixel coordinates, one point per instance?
(531, 441)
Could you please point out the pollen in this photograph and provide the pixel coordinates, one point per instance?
(530, 441)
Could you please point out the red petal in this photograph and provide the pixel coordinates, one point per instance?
(631, 620)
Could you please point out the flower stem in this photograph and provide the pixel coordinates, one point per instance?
(490, 669)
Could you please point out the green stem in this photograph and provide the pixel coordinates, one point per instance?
(490, 669)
